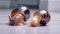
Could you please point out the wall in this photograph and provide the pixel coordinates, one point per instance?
(13, 3)
(4, 4)
(54, 5)
(28, 2)
(43, 5)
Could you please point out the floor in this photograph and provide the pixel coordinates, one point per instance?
(53, 27)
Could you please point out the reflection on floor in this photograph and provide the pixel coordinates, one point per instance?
(53, 27)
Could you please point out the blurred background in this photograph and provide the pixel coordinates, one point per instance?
(53, 6)
(33, 4)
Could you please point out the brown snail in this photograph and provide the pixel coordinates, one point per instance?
(40, 18)
(17, 18)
